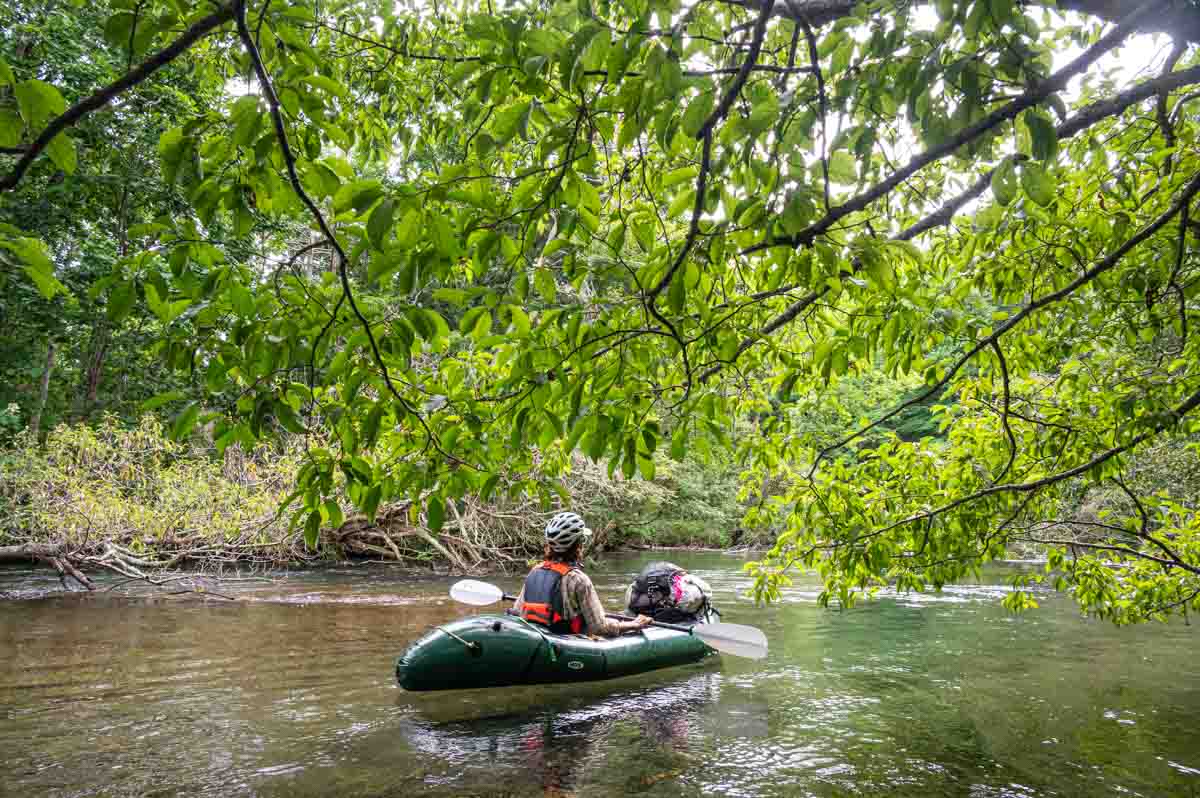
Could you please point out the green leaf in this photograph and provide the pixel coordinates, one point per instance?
(408, 232)
(510, 120)
(47, 284)
(1041, 135)
(519, 320)
(696, 114)
(372, 425)
(482, 326)
(334, 511)
(1038, 183)
(325, 84)
(288, 419)
(11, 127)
(155, 402)
(679, 443)
(242, 300)
(544, 282)
(467, 323)
(157, 306)
(38, 265)
(120, 300)
(646, 467)
(435, 513)
(843, 168)
(381, 222)
(683, 201)
(797, 212)
(444, 237)
(185, 421)
(38, 102)
(359, 195)
(1004, 182)
(451, 296)
(677, 294)
(370, 502)
(6, 74)
(312, 529)
(677, 176)
(763, 113)
(629, 461)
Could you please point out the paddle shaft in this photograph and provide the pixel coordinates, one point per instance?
(672, 626)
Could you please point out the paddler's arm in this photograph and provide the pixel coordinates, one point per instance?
(519, 604)
(582, 598)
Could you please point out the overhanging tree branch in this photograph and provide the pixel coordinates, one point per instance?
(1174, 416)
(1181, 19)
(1085, 118)
(104, 96)
(1031, 97)
(289, 157)
(1190, 191)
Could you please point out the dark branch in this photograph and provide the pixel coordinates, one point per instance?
(705, 135)
(1103, 266)
(1181, 21)
(1012, 439)
(811, 38)
(1028, 99)
(289, 158)
(106, 95)
(1086, 117)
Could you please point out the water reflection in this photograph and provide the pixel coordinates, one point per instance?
(558, 739)
(290, 693)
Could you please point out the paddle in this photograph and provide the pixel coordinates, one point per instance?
(728, 638)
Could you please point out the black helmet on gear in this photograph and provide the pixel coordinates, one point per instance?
(565, 530)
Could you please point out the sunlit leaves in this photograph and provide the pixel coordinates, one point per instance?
(1038, 183)
(1042, 135)
(1005, 182)
(38, 102)
(31, 254)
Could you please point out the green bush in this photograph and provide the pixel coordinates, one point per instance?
(134, 487)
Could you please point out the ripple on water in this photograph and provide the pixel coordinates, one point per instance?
(291, 693)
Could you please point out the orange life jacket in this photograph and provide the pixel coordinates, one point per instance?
(542, 602)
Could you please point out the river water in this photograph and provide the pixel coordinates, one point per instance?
(289, 692)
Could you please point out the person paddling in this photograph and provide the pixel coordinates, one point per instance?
(561, 597)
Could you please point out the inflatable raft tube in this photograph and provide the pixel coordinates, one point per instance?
(501, 651)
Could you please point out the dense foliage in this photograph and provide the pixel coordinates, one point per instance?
(629, 227)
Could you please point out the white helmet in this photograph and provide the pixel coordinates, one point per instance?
(565, 530)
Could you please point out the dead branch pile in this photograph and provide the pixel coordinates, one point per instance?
(133, 503)
(502, 533)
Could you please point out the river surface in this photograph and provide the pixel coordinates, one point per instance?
(289, 691)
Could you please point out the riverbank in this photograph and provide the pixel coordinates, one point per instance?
(130, 501)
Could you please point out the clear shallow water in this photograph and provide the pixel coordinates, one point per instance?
(289, 691)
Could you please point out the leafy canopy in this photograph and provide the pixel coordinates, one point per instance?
(619, 226)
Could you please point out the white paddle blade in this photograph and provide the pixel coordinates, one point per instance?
(479, 594)
(733, 638)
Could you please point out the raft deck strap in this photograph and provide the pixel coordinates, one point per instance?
(471, 645)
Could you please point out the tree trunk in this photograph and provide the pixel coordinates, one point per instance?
(35, 424)
(93, 366)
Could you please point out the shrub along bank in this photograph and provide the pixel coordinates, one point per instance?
(131, 500)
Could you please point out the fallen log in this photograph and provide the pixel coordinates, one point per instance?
(53, 554)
